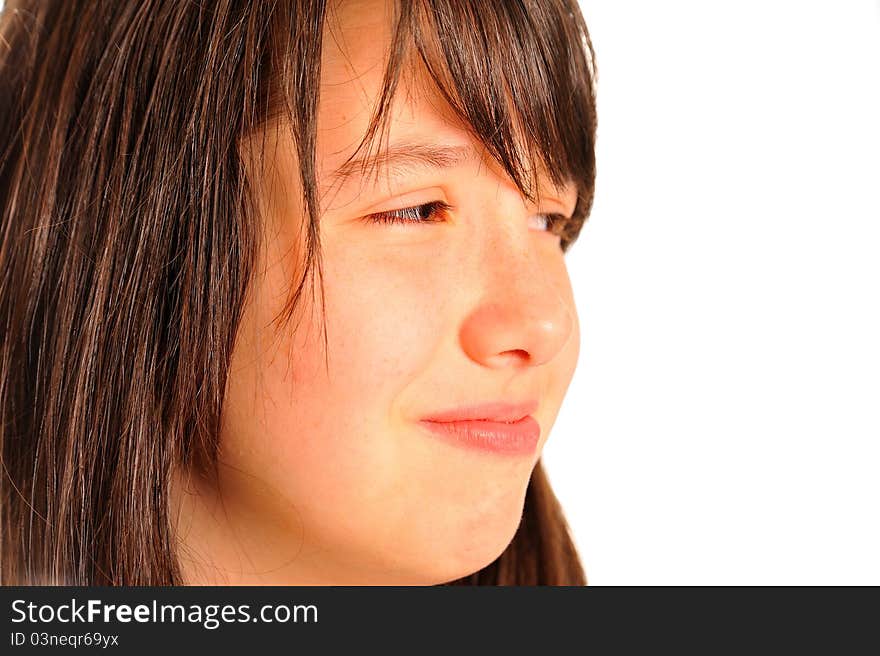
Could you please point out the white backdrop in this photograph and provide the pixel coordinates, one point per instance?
(723, 426)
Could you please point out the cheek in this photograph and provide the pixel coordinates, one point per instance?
(383, 332)
(567, 359)
(380, 324)
(379, 337)
(326, 436)
(560, 375)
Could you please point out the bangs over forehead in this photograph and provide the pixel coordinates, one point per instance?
(519, 74)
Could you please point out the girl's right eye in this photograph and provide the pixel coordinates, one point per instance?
(432, 212)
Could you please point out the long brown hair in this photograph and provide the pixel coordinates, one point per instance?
(129, 234)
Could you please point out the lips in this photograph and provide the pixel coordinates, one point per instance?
(498, 428)
(502, 412)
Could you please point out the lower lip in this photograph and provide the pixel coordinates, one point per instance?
(519, 438)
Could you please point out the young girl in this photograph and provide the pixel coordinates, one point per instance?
(283, 289)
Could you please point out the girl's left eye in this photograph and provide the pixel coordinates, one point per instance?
(435, 211)
(432, 212)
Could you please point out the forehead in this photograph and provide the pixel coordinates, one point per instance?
(357, 41)
(357, 37)
(356, 45)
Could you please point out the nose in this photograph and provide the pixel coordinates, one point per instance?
(522, 318)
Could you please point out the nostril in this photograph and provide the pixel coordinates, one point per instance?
(515, 357)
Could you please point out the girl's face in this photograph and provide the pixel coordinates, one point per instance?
(327, 474)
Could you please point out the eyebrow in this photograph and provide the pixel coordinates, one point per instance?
(402, 158)
(405, 158)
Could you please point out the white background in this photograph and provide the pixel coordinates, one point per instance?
(723, 426)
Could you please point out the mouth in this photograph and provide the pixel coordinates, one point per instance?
(501, 429)
(494, 411)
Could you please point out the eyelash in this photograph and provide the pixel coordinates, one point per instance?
(412, 214)
(416, 214)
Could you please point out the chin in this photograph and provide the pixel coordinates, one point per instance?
(471, 548)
